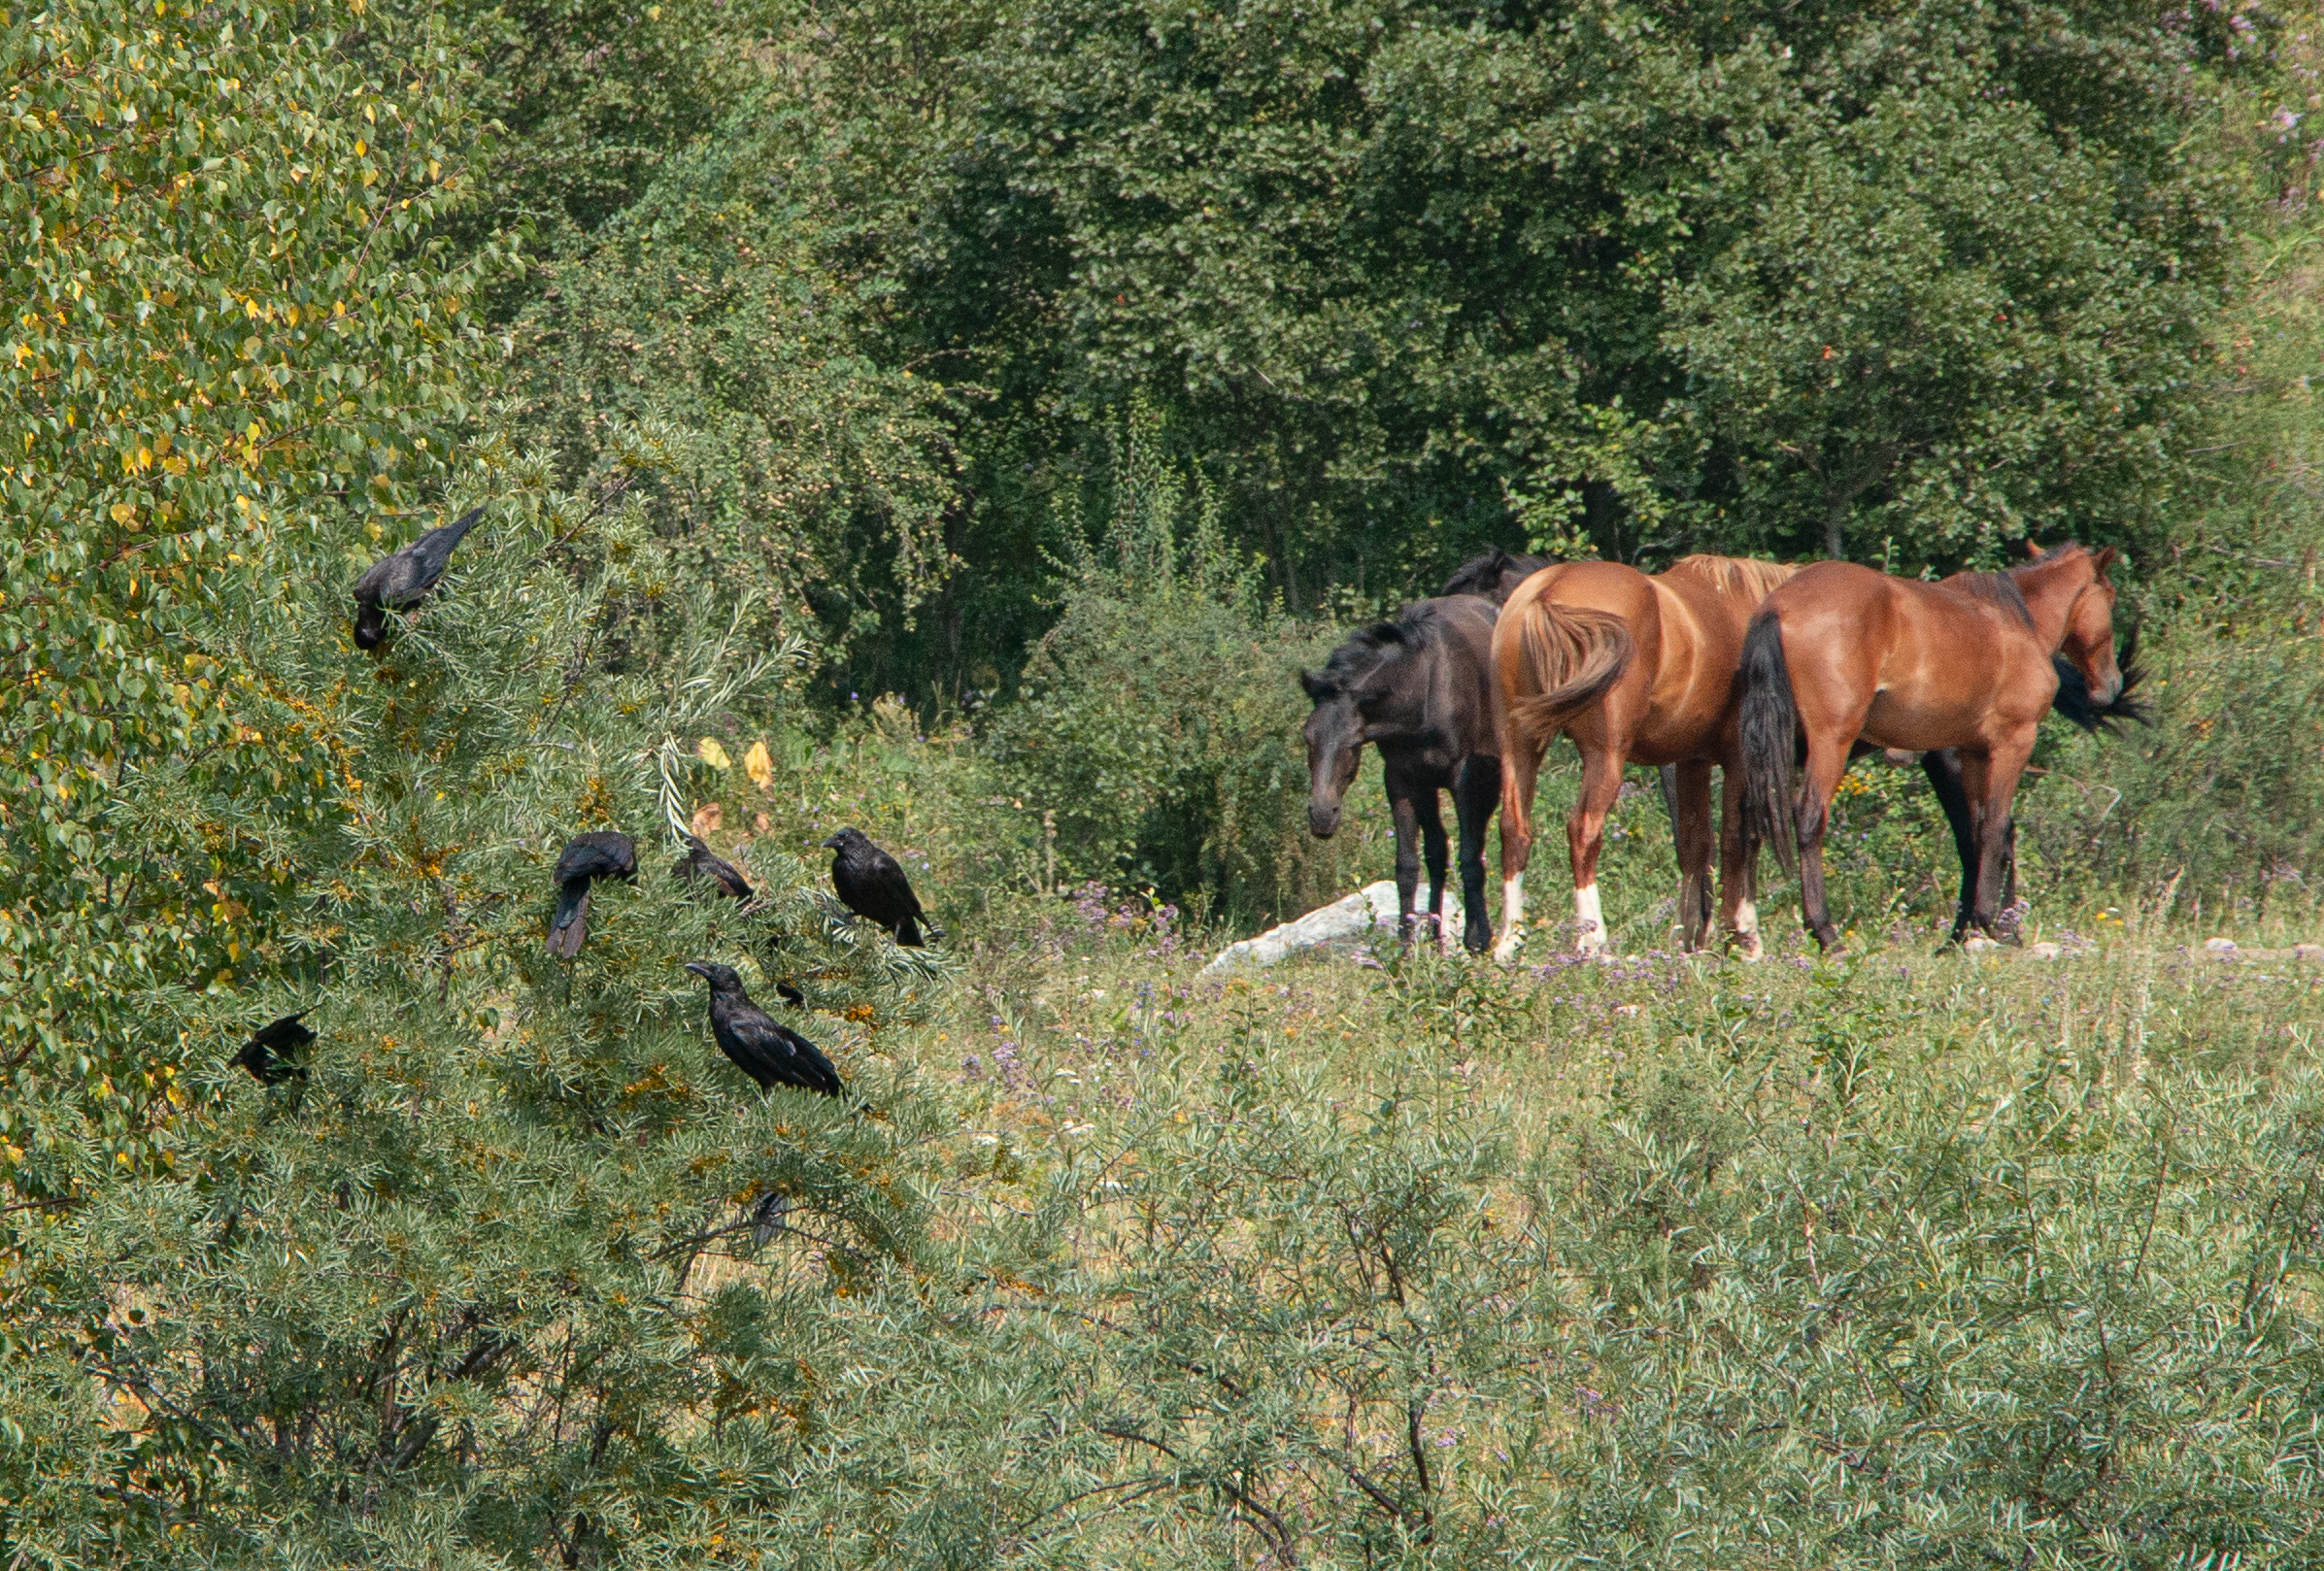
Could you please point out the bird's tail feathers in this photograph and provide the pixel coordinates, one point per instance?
(571, 923)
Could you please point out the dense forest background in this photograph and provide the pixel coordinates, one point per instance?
(961, 418)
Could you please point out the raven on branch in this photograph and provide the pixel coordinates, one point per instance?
(586, 857)
(871, 883)
(760, 1046)
(702, 865)
(267, 1054)
(401, 580)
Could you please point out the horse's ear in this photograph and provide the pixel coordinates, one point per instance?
(2100, 562)
(2032, 550)
(1316, 688)
(1386, 632)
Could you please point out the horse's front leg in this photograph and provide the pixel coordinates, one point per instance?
(1585, 838)
(1994, 794)
(1429, 811)
(1475, 793)
(1946, 774)
(1406, 813)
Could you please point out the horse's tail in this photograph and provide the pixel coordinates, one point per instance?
(1572, 655)
(1770, 728)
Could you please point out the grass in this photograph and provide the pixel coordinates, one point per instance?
(1906, 1258)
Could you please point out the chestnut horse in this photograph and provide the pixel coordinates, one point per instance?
(1634, 669)
(1419, 689)
(1843, 656)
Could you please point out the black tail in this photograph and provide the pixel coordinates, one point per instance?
(571, 923)
(907, 933)
(1770, 726)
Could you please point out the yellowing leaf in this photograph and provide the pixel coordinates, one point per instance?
(710, 752)
(760, 766)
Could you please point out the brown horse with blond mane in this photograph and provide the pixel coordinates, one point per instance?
(1843, 656)
(1635, 669)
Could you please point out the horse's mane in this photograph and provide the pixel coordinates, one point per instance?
(1483, 575)
(1997, 590)
(1361, 652)
(1727, 574)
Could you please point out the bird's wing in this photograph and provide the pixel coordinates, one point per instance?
(782, 1054)
(379, 579)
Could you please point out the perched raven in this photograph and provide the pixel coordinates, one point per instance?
(267, 1054)
(871, 884)
(598, 854)
(771, 1053)
(702, 865)
(400, 581)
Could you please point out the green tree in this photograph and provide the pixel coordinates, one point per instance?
(224, 332)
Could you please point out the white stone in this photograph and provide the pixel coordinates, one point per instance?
(1347, 920)
(2219, 948)
(2308, 951)
(2045, 950)
(1978, 944)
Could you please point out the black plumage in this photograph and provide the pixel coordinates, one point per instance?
(708, 872)
(401, 580)
(586, 857)
(267, 1054)
(872, 884)
(768, 1051)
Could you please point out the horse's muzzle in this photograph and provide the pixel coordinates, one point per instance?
(1323, 821)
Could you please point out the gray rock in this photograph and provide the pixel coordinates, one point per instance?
(1367, 914)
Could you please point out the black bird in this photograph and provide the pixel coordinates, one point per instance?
(267, 1054)
(401, 580)
(598, 854)
(871, 883)
(700, 865)
(768, 1051)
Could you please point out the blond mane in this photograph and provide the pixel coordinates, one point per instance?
(1736, 575)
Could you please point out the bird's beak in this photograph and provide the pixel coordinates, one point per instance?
(698, 969)
(832, 844)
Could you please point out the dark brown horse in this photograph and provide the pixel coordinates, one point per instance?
(1634, 669)
(1419, 689)
(1843, 656)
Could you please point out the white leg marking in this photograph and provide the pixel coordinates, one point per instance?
(1746, 929)
(1591, 919)
(1512, 916)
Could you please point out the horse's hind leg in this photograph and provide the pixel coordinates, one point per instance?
(1585, 838)
(1475, 794)
(1520, 764)
(1827, 762)
(1691, 824)
(1430, 812)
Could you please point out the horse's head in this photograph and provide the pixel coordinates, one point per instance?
(2089, 646)
(1335, 733)
(1338, 726)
